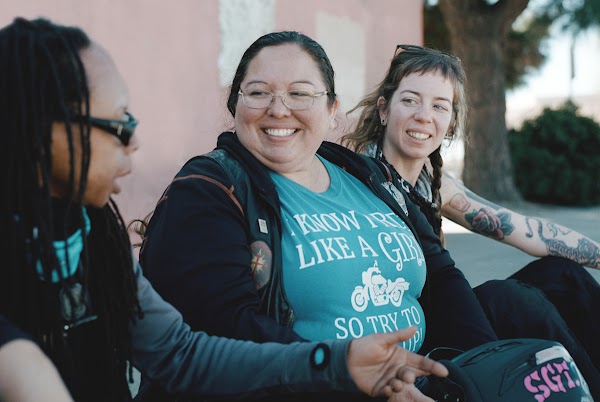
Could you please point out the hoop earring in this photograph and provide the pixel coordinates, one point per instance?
(383, 121)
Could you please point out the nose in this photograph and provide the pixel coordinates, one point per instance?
(277, 108)
(134, 144)
(423, 114)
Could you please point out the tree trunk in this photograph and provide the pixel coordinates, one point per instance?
(478, 32)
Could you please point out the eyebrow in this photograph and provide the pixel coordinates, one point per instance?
(418, 94)
(291, 83)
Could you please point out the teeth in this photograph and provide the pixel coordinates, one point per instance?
(279, 132)
(418, 136)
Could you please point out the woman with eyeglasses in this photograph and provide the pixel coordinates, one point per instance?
(70, 286)
(278, 235)
(422, 101)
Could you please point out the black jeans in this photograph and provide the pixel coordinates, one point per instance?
(453, 314)
(574, 292)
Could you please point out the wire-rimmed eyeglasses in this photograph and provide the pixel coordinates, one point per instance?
(293, 100)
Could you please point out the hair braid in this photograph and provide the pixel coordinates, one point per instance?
(437, 162)
(112, 280)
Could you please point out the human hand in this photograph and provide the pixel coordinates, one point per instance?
(409, 393)
(380, 367)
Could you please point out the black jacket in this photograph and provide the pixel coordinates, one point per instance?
(206, 229)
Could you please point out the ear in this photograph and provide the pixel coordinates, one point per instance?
(382, 107)
(333, 109)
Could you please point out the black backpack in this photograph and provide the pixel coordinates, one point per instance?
(513, 370)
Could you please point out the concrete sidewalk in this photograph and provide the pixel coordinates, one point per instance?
(481, 258)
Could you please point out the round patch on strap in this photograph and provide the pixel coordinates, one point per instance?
(261, 263)
(319, 357)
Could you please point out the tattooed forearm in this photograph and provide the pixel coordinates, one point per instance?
(477, 198)
(486, 222)
(585, 253)
(529, 231)
(459, 202)
(555, 230)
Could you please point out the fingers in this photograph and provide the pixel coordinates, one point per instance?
(402, 387)
(438, 369)
(398, 336)
(406, 392)
(407, 375)
(424, 366)
(416, 365)
(373, 361)
(396, 385)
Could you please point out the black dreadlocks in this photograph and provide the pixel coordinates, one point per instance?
(43, 82)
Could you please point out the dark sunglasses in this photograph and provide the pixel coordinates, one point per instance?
(122, 129)
(423, 50)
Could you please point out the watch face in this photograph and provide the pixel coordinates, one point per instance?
(319, 357)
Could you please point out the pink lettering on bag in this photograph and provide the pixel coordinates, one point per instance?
(548, 379)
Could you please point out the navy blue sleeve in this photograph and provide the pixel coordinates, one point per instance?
(9, 332)
(197, 256)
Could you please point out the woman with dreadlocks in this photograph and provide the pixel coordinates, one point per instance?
(69, 282)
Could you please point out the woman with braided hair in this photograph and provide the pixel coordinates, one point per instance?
(69, 280)
(420, 102)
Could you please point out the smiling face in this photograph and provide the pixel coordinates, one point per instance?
(284, 140)
(418, 117)
(109, 159)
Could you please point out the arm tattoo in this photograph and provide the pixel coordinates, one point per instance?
(479, 199)
(555, 230)
(459, 203)
(486, 222)
(585, 253)
(529, 232)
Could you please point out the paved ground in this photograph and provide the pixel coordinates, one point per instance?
(481, 258)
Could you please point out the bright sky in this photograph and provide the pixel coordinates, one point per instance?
(553, 78)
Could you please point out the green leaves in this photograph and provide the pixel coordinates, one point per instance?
(556, 158)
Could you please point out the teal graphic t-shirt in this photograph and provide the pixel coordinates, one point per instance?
(351, 267)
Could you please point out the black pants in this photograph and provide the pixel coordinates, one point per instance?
(574, 292)
(551, 298)
(453, 315)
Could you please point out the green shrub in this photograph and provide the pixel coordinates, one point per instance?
(556, 158)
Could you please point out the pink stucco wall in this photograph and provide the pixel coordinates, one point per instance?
(387, 23)
(167, 52)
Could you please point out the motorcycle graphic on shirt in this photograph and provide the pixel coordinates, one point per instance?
(378, 290)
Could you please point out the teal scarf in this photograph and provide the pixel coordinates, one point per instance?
(67, 250)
